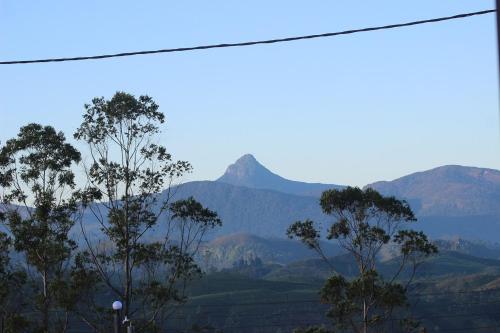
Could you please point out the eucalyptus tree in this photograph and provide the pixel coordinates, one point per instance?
(38, 190)
(363, 223)
(147, 256)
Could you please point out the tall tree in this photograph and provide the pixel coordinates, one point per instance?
(363, 223)
(148, 254)
(38, 186)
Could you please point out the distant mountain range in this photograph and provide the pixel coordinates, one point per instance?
(449, 201)
(450, 190)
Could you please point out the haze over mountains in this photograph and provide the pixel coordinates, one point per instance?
(448, 200)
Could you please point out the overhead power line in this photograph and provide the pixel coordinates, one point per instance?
(249, 43)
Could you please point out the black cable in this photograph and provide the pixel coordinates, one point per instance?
(268, 41)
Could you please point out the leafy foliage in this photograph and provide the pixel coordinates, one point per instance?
(364, 222)
(127, 172)
(35, 174)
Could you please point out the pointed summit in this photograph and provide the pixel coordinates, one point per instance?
(246, 162)
(247, 158)
(248, 172)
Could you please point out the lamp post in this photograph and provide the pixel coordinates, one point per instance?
(117, 306)
(128, 324)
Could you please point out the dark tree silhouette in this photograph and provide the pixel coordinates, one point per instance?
(148, 255)
(38, 211)
(364, 222)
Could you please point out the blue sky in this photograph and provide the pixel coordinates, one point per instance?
(349, 110)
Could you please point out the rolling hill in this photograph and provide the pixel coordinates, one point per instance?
(226, 250)
(450, 190)
(263, 213)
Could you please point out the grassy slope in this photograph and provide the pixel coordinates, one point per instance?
(287, 297)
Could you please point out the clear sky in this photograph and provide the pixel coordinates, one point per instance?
(349, 110)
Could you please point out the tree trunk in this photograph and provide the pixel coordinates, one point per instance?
(365, 317)
(128, 277)
(127, 285)
(45, 310)
(128, 282)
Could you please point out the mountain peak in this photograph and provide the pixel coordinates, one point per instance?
(248, 172)
(247, 158)
(245, 165)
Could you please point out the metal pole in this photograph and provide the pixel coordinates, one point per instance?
(116, 317)
(498, 54)
(498, 33)
(128, 324)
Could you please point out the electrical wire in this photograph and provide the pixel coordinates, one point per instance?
(249, 43)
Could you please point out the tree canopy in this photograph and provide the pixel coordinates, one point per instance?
(152, 239)
(39, 206)
(363, 222)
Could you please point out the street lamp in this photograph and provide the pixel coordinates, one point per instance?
(117, 306)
